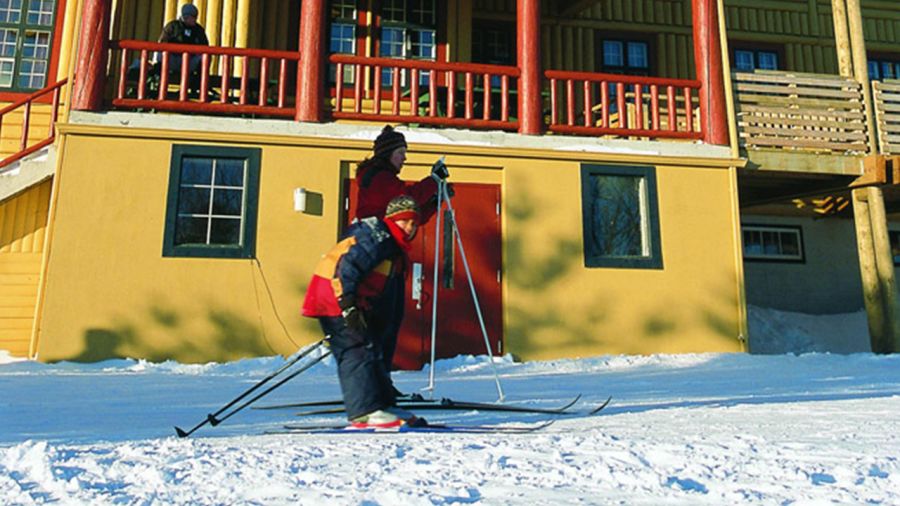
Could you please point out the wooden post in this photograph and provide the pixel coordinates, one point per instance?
(528, 38)
(873, 245)
(93, 53)
(708, 61)
(311, 88)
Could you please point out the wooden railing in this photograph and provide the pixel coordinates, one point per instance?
(179, 77)
(611, 104)
(886, 96)
(415, 91)
(27, 145)
(803, 112)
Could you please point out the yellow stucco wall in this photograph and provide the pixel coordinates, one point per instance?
(109, 291)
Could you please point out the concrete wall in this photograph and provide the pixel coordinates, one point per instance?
(828, 281)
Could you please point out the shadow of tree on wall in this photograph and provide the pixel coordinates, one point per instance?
(577, 325)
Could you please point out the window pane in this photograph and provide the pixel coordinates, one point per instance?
(422, 12)
(770, 243)
(191, 230)
(887, 70)
(613, 53)
(392, 42)
(768, 60)
(10, 11)
(637, 55)
(743, 60)
(193, 200)
(790, 244)
(423, 44)
(196, 170)
(227, 202)
(752, 242)
(40, 12)
(874, 70)
(7, 67)
(225, 231)
(345, 9)
(229, 172)
(394, 10)
(8, 42)
(343, 38)
(616, 218)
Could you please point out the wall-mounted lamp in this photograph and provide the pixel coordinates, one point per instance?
(300, 200)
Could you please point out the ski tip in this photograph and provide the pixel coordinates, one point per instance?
(600, 407)
(180, 432)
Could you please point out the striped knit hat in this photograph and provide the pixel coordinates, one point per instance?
(402, 207)
(387, 141)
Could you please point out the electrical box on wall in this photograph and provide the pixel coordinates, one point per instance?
(300, 200)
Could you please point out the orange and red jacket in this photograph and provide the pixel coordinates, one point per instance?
(368, 264)
(378, 183)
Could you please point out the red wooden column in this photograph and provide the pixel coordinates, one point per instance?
(93, 53)
(708, 59)
(311, 69)
(528, 44)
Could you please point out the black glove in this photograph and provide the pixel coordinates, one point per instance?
(439, 169)
(450, 192)
(353, 316)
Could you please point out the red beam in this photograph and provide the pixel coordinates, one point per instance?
(708, 59)
(528, 37)
(87, 93)
(310, 87)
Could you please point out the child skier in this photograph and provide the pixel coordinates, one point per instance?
(356, 293)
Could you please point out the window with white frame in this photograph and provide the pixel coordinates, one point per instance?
(212, 203)
(409, 31)
(772, 243)
(342, 39)
(620, 217)
(26, 31)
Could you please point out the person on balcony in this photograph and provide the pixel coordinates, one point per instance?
(378, 181)
(184, 30)
(356, 293)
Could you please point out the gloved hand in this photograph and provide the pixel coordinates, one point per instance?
(450, 191)
(353, 316)
(439, 169)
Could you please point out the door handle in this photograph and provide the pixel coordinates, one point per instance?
(416, 279)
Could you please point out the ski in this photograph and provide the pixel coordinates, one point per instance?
(339, 402)
(600, 407)
(450, 404)
(406, 429)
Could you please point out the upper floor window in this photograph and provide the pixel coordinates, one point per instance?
(748, 60)
(494, 43)
(625, 57)
(26, 31)
(409, 31)
(620, 217)
(212, 204)
(884, 68)
(771, 242)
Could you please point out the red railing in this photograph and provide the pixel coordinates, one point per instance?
(190, 78)
(26, 105)
(588, 103)
(414, 91)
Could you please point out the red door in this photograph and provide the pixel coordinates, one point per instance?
(458, 330)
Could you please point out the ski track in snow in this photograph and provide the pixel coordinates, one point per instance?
(682, 429)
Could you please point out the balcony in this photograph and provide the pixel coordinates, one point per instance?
(262, 83)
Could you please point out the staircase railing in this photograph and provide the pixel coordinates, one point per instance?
(25, 105)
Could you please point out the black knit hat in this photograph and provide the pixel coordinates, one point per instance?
(189, 10)
(387, 141)
(402, 207)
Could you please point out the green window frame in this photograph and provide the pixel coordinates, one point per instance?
(213, 201)
(620, 217)
(26, 43)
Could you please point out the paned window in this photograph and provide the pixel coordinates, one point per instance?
(748, 60)
(620, 217)
(625, 57)
(212, 202)
(26, 30)
(772, 243)
(408, 31)
(343, 34)
(884, 68)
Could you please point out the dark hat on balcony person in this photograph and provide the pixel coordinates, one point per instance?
(189, 10)
(387, 141)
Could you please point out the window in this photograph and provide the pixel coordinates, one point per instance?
(625, 57)
(408, 31)
(620, 216)
(342, 39)
(884, 68)
(748, 60)
(26, 29)
(894, 237)
(212, 204)
(494, 42)
(772, 243)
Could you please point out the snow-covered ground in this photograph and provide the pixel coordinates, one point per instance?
(814, 428)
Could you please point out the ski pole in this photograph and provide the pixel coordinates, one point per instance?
(462, 254)
(271, 388)
(436, 288)
(211, 417)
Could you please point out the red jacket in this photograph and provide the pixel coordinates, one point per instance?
(378, 183)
